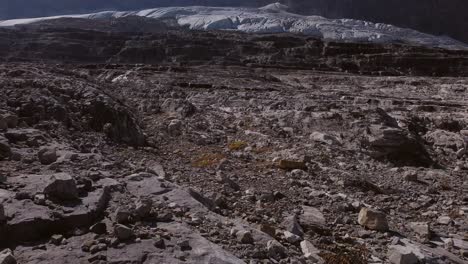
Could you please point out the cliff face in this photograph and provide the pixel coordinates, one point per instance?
(71, 40)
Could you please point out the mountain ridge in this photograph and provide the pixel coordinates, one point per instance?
(273, 18)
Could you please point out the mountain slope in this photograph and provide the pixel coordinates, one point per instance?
(274, 18)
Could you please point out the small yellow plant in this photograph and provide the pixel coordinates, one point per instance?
(237, 145)
(208, 160)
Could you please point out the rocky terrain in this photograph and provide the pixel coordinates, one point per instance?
(214, 147)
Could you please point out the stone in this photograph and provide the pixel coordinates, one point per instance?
(122, 216)
(2, 214)
(62, 186)
(292, 165)
(175, 128)
(40, 199)
(159, 242)
(445, 139)
(275, 250)
(5, 149)
(98, 228)
(444, 220)
(144, 207)
(310, 252)
(402, 255)
(6, 257)
(123, 232)
(292, 225)
(312, 219)
(245, 237)
(422, 229)
(411, 176)
(3, 124)
(222, 178)
(373, 219)
(184, 245)
(47, 155)
(11, 120)
(324, 138)
(56, 239)
(291, 238)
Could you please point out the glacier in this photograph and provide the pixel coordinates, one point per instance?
(273, 18)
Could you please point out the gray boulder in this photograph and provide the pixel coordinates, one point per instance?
(62, 186)
(47, 155)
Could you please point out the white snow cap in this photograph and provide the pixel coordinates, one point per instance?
(274, 18)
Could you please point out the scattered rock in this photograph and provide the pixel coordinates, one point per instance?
(324, 138)
(292, 165)
(122, 216)
(123, 232)
(99, 228)
(5, 150)
(291, 238)
(175, 128)
(444, 220)
(276, 250)
(6, 257)
(373, 219)
(47, 155)
(2, 214)
(292, 225)
(245, 237)
(311, 252)
(312, 219)
(62, 186)
(144, 207)
(402, 255)
(422, 229)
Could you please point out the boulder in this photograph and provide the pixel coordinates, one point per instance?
(422, 229)
(245, 237)
(373, 219)
(5, 150)
(47, 155)
(275, 250)
(10, 120)
(2, 214)
(310, 252)
(291, 238)
(292, 225)
(175, 128)
(445, 139)
(6, 257)
(402, 255)
(144, 207)
(62, 186)
(312, 219)
(123, 232)
(324, 138)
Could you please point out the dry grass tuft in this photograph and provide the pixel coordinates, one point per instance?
(347, 255)
(208, 160)
(237, 145)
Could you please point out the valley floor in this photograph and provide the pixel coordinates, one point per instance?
(220, 164)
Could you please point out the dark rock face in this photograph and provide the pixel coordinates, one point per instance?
(435, 17)
(65, 44)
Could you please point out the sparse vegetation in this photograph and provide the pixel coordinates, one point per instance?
(347, 255)
(237, 145)
(208, 160)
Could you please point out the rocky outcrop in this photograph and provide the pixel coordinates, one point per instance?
(50, 43)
